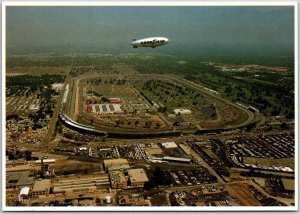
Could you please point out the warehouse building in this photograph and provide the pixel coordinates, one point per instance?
(169, 145)
(129, 200)
(82, 184)
(118, 180)
(137, 177)
(45, 161)
(288, 185)
(175, 159)
(41, 187)
(11, 163)
(18, 179)
(186, 149)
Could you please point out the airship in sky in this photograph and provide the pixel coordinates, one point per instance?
(149, 42)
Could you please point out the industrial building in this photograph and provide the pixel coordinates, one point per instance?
(175, 159)
(31, 166)
(44, 167)
(288, 185)
(118, 180)
(45, 161)
(186, 149)
(263, 182)
(82, 184)
(16, 180)
(41, 187)
(154, 152)
(169, 145)
(11, 163)
(137, 177)
(128, 200)
(116, 164)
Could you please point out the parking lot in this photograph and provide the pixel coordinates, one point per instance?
(129, 152)
(21, 101)
(173, 152)
(265, 201)
(191, 177)
(204, 196)
(107, 152)
(80, 148)
(270, 146)
(121, 151)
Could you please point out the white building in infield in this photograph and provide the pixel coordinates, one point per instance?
(182, 111)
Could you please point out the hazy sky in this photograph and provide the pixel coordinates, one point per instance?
(257, 29)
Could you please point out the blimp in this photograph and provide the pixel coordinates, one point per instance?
(152, 42)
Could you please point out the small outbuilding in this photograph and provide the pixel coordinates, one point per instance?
(24, 193)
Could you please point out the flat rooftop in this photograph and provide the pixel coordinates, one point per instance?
(169, 145)
(288, 184)
(117, 177)
(45, 161)
(186, 149)
(137, 175)
(41, 185)
(70, 184)
(21, 178)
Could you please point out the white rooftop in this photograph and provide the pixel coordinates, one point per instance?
(169, 145)
(182, 111)
(25, 191)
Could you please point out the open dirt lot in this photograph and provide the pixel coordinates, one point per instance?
(75, 167)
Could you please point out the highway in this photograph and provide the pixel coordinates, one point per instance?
(45, 143)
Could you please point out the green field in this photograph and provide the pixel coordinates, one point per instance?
(270, 92)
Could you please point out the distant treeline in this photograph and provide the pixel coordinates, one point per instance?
(34, 81)
(61, 61)
(108, 60)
